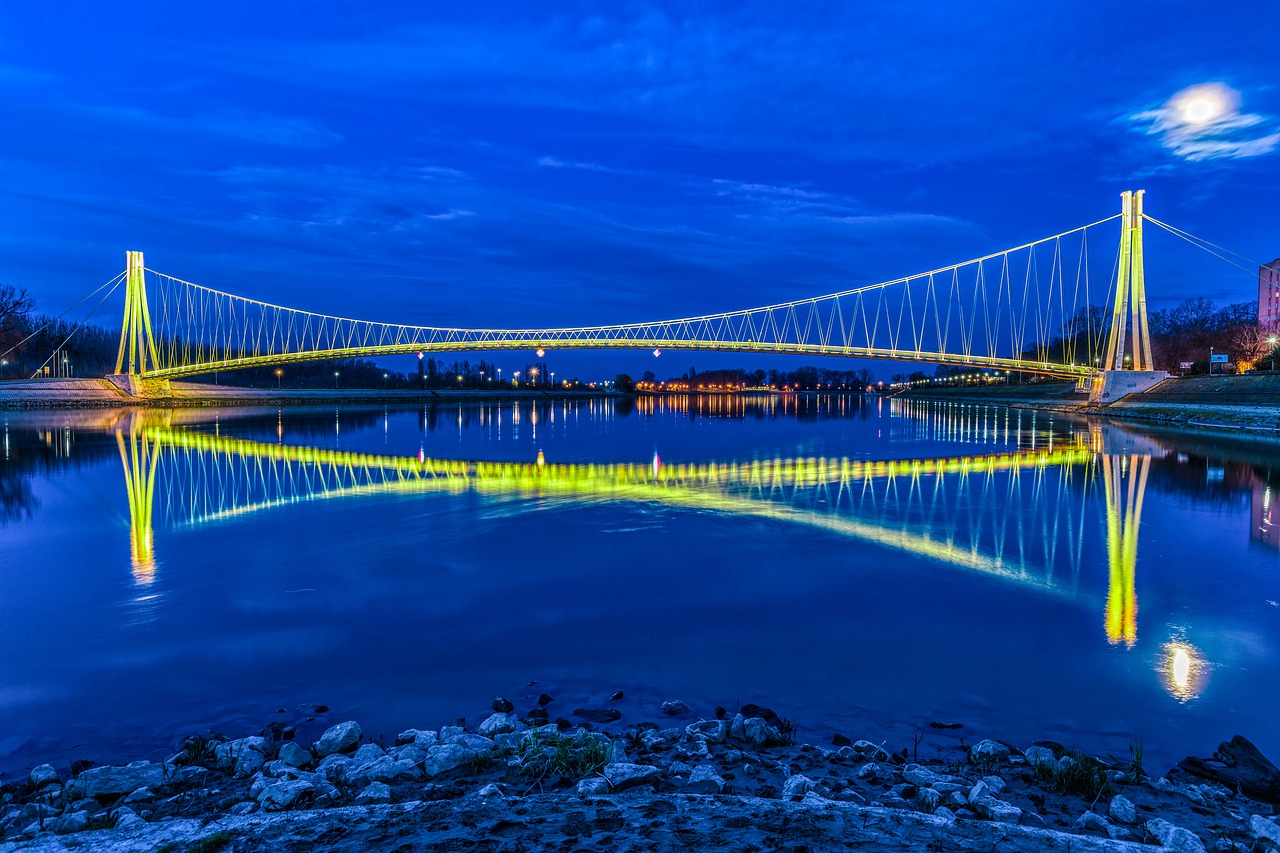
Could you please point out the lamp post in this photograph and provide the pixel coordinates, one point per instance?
(279, 373)
(384, 382)
(335, 378)
(1272, 341)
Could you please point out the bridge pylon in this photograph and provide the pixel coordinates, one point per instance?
(1128, 373)
(137, 353)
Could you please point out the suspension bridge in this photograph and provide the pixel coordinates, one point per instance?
(1026, 309)
(1022, 517)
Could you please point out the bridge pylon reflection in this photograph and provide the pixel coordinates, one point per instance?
(1126, 484)
(1023, 516)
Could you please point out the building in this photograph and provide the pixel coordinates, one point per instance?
(1269, 296)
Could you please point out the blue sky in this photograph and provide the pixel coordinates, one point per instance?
(518, 164)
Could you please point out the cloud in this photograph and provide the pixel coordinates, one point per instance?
(1204, 122)
(264, 128)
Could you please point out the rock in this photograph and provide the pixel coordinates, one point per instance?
(917, 775)
(373, 794)
(995, 784)
(1040, 755)
(242, 808)
(592, 786)
(417, 736)
(946, 814)
(1239, 765)
(129, 822)
(624, 776)
(336, 767)
(142, 795)
(294, 755)
(1263, 828)
(1092, 820)
(926, 800)
(340, 738)
(367, 753)
(875, 772)
(43, 775)
(838, 739)
(387, 769)
(491, 790)
(498, 724)
(615, 697)
(598, 715)
(71, 822)
(993, 809)
(753, 710)
(979, 790)
(675, 708)
(989, 751)
(441, 759)
(473, 742)
(448, 733)
(544, 700)
(757, 731)
(408, 752)
(248, 762)
(502, 705)
(679, 768)
(868, 751)
(105, 782)
(704, 780)
(796, 787)
(1174, 838)
(286, 795)
(714, 731)
(227, 755)
(1122, 810)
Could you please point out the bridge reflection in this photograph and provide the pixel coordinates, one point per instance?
(1024, 517)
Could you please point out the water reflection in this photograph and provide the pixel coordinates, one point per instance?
(1020, 516)
(1035, 528)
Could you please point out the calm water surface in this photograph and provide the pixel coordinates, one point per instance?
(863, 569)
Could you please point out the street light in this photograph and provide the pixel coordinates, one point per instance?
(279, 373)
(384, 382)
(1271, 339)
(335, 378)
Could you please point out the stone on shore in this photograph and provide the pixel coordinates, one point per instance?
(1263, 828)
(675, 708)
(286, 795)
(500, 723)
(796, 787)
(112, 782)
(704, 780)
(43, 775)
(340, 738)
(1174, 838)
(441, 759)
(624, 776)
(714, 731)
(1040, 755)
(373, 794)
(993, 809)
(1122, 810)
(989, 751)
(294, 755)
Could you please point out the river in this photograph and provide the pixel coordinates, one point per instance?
(876, 569)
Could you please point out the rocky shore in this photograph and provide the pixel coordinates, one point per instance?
(734, 780)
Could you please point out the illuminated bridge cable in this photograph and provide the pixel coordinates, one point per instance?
(77, 327)
(1004, 310)
(111, 283)
(1206, 246)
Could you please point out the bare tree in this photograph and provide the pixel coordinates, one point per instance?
(15, 304)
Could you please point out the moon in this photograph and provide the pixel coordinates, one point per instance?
(1204, 104)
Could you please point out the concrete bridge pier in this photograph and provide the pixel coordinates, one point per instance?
(1111, 385)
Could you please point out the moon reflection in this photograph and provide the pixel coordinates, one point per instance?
(1183, 669)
